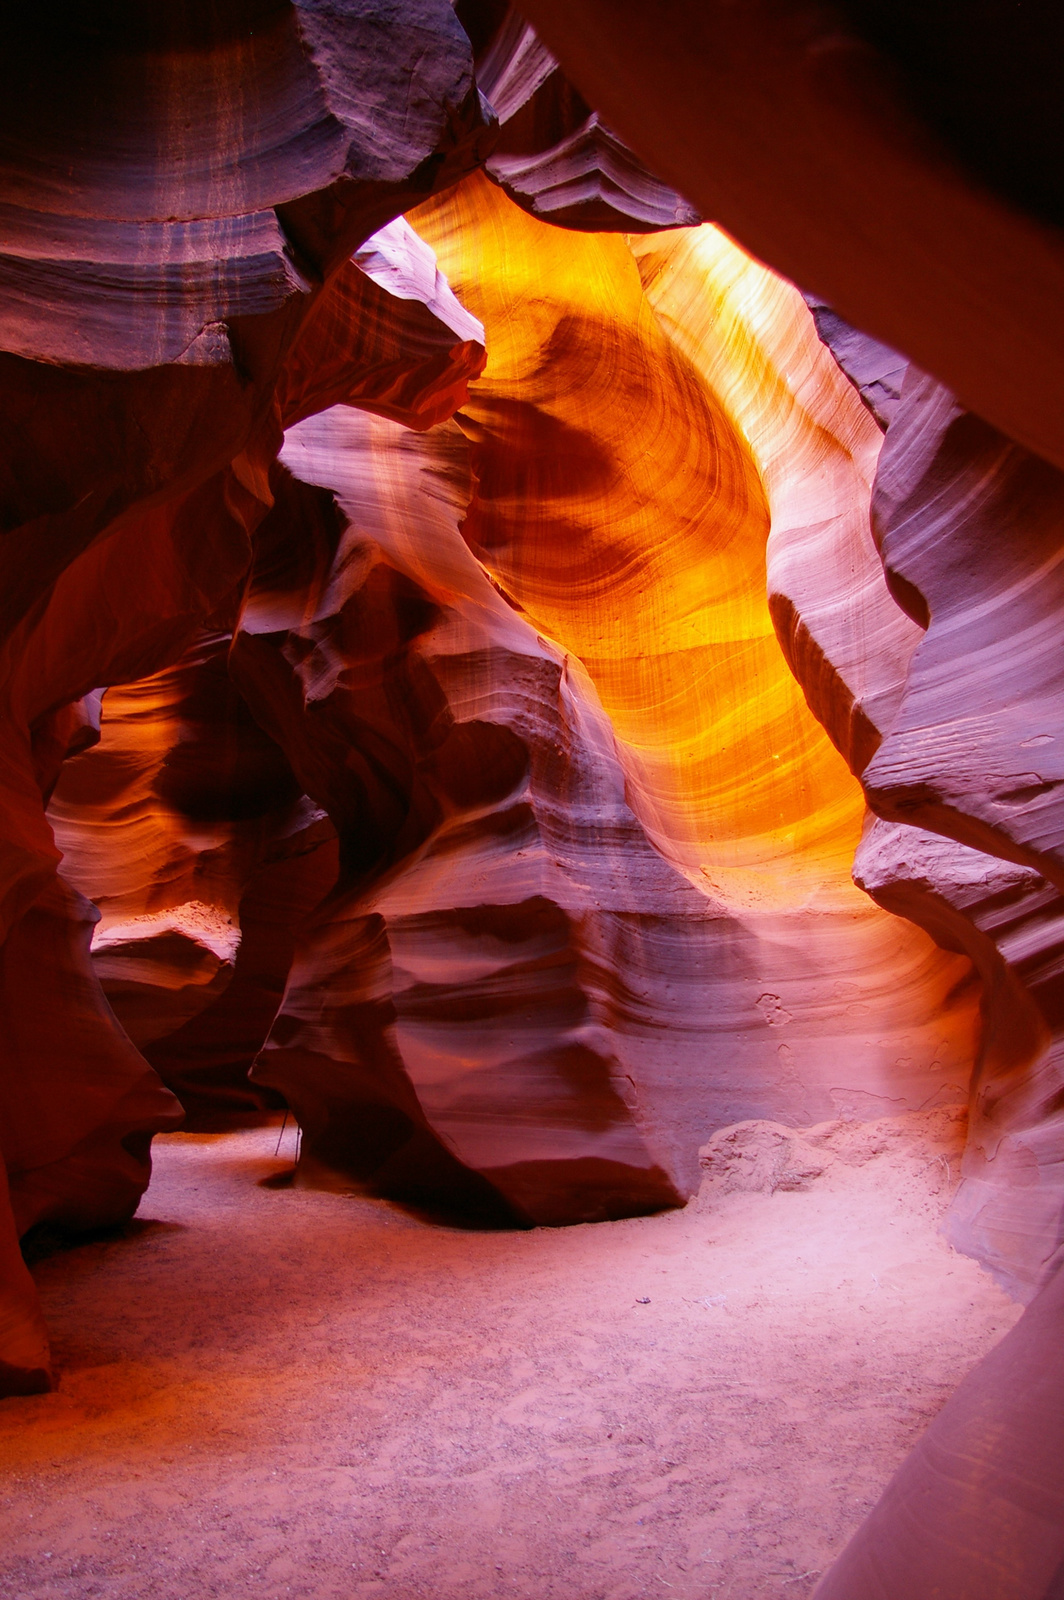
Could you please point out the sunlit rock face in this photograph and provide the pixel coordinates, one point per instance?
(638, 544)
(942, 712)
(483, 777)
(958, 1518)
(968, 525)
(877, 154)
(185, 822)
(190, 832)
(465, 994)
(593, 850)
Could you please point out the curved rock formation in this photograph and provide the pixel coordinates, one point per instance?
(793, 126)
(967, 528)
(451, 772)
(649, 567)
(911, 696)
(455, 996)
(968, 524)
(1009, 1212)
(185, 821)
(151, 288)
(134, 256)
(162, 273)
(507, 973)
(555, 157)
(738, 955)
(186, 826)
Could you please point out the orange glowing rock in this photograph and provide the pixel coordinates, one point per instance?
(631, 444)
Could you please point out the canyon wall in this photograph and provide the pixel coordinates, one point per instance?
(903, 163)
(463, 624)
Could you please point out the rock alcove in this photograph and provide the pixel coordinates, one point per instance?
(529, 770)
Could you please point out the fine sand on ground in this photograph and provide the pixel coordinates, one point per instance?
(274, 1392)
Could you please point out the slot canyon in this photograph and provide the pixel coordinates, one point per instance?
(531, 817)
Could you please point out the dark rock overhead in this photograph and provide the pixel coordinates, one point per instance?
(554, 155)
(792, 126)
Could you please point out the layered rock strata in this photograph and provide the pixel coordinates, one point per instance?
(188, 829)
(554, 156)
(455, 772)
(649, 567)
(931, 707)
(826, 139)
(459, 994)
(967, 529)
(508, 972)
(1009, 1212)
(708, 981)
(970, 754)
(151, 291)
(185, 820)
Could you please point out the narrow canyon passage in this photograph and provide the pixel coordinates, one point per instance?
(531, 580)
(271, 1391)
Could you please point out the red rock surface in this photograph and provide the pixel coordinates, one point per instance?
(554, 155)
(152, 291)
(445, 777)
(789, 123)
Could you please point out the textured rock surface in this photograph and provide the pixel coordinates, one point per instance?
(185, 821)
(555, 156)
(139, 251)
(730, 983)
(970, 753)
(188, 829)
(151, 290)
(466, 1002)
(967, 526)
(876, 371)
(640, 548)
(932, 710)
(157, 258)
(508, 971)
(1007, 918)
(793, 126)
(452, 771)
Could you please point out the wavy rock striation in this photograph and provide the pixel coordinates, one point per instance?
(152, 290)
(464, 992)
(508, 972)
(931, 708)
(554, 156)
(850, 147)
(638, 545)
(966, 524)
(970, 754)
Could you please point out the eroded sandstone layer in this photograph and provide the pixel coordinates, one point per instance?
(449, 657)
(153, 291)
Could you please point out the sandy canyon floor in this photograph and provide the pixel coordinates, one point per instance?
(276, 1392)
